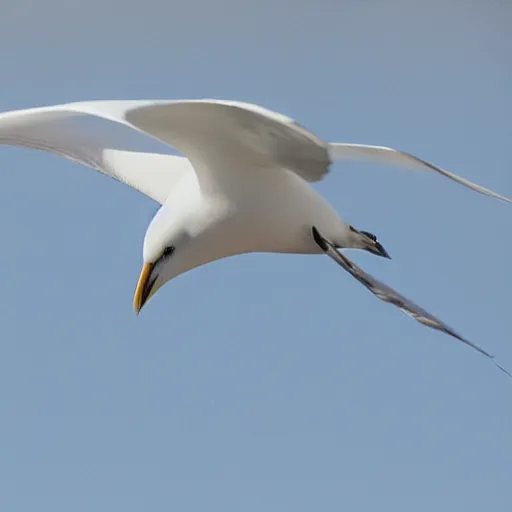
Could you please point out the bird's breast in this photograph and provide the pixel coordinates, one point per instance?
(269, 211)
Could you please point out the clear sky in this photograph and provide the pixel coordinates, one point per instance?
(262, 382)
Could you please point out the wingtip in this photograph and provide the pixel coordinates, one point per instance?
(492, 194)
(505, 199)
(504, 370)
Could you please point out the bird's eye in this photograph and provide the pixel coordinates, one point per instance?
(168, 251)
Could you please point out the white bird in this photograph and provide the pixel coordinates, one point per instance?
(241, 187)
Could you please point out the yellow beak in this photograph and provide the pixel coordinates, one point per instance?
(142, 290)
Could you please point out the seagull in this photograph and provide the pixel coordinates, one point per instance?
(243, 184)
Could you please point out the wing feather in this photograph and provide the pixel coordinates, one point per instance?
(210, 133)
(391, 296)
(389, 156)
(62, 132)
(214, 133)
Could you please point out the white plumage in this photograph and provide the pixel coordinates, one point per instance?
(241, 187)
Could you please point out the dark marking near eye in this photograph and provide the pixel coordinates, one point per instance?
(371, 236)
(168, 251)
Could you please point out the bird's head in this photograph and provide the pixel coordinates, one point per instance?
(152, 277)
(367, 241)
(165, 245)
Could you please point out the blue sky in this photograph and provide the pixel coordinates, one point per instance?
(263, 382)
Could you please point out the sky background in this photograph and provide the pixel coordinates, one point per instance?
(262, 382)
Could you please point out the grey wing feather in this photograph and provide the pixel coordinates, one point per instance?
(390, 156)
(388, 294)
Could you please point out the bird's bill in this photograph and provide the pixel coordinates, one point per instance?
(144, 286)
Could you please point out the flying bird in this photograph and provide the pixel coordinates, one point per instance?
(242, 186)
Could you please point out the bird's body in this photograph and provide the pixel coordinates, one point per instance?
(242, 186)
(247, 212)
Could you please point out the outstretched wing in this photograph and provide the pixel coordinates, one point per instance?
(63, 131)
(387, 294)
(389, 156)
(213, 134)
(221, 134)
